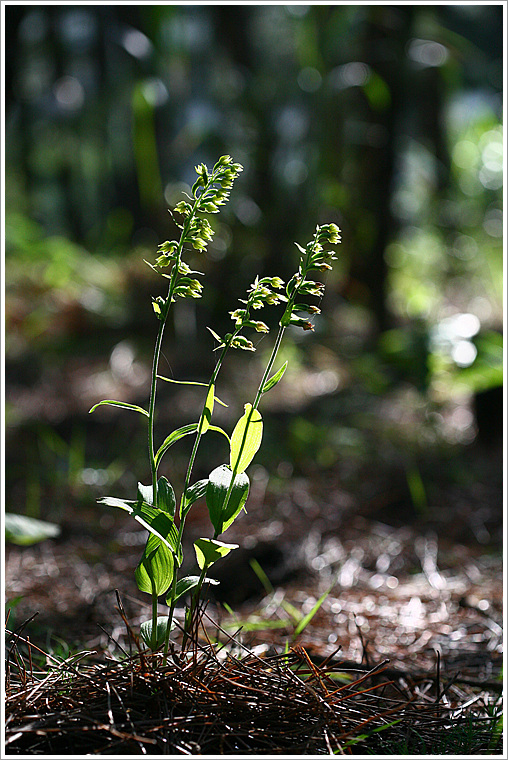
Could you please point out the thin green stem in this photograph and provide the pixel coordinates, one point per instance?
(192, 459)
(158, 344)
(151, 408)
(154, 619)
(194, 604)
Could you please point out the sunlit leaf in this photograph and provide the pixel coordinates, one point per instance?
(216, 429)
(121, 404)
(145, 493)
(246, 439)
(222, 514)
(206, 417)
(209, 550)
(190, 382)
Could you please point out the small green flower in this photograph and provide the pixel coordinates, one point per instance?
(300, 322)
(241, 342)
(259, 327)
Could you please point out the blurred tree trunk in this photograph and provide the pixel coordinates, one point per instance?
(386, 36)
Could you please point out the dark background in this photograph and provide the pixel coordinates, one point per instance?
(382, 119)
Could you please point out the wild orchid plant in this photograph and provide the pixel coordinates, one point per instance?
(227, 487)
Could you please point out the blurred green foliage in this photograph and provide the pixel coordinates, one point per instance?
(383, 119)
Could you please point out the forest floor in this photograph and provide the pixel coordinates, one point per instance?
(422, 593)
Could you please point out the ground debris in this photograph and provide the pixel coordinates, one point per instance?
(210, 701)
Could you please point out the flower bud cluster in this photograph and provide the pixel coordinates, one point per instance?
(260, 293)
(209, 192)
(313, 257)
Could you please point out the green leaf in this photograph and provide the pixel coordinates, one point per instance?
(274, 379)
(166, 499)
(122, 405)
(173, 438)
(155, 520)
(217, 489)
(154, 574)
(206, 417)
(185, 585)
(246, 439)
(195, 492)
(162, 626)
(24, 531)
(209, 550)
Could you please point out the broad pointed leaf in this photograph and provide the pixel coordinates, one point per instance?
(246, 439)
(195, 492)
(160, 635)
(122, 405)
(155, 570)
(209, 550)
(166, 499)
(185, 585)
(222, 514)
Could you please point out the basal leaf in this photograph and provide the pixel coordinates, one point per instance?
(275, 378)
(173, 438)
(209, 550)
(166, 499)
(122, 405)
(145, 631)
(155, 570)
(246, 439)
(222, 514)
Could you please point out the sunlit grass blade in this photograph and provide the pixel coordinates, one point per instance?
(304, 622)
(262, 576)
